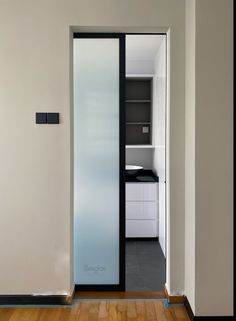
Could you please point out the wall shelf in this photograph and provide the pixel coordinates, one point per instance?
(142, 76)
(138, 111)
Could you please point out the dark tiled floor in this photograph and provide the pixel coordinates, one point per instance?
(145, 266)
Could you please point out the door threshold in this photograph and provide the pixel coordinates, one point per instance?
(120, 295)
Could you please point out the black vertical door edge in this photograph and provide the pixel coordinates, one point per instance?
(122, 162)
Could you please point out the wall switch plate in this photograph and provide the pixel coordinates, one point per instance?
(145, 130)
(53, 118)
(41, 118)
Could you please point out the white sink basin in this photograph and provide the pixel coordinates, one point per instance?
(132, 169)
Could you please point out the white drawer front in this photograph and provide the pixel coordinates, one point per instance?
(141, 228)
(141, 210)
(141, 191)
(150, 210)
(134, 192)
(150, 192)
(134, 210)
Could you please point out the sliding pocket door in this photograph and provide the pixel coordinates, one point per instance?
(98, 72)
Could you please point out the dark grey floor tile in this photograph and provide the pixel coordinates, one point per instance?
(145, 266)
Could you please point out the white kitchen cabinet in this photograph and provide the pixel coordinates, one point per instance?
(142, 209)
(141, 192)
(141, 228)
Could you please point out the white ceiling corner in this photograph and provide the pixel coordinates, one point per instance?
(142, 47)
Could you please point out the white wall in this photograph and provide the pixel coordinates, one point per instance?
(134, 67)
(214, 157)
(190, 154)
(140, 156)
(209, 167)
(159, 84)
(35, 164)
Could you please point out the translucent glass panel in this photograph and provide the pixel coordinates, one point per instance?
(96, 160)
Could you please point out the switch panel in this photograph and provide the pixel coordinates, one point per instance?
(41, 118)
(53, 118)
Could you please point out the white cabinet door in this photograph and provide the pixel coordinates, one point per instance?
(141, 210)
(134, 192)
(141, 191)
(150, 191)
(134, 210)
(141, 228)
(150, 210)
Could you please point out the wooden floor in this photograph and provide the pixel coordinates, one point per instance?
(99, 311)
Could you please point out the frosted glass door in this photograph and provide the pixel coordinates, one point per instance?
(96, 160)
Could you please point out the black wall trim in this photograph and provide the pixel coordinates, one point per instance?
(213, 318)
(188, 309)
(34, 299)
(192, 317)
(97, 35)
(99, 287)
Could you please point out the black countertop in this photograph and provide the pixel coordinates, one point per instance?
(143, 176)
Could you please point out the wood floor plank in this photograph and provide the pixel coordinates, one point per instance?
(6, 313)
(103, 310)
(131, 311)
(150, 311)
(160, 311)
(140, 307)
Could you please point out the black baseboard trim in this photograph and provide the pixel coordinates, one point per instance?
(188, 309)
(212, 318)
(35, 299)
(99, 288)
(192, 317)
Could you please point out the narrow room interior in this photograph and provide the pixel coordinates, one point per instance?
(145, 109)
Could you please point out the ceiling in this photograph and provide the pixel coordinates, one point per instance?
(142, 47)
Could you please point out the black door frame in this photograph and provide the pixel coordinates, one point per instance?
(121, 285)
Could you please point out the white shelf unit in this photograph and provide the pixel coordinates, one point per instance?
(140, 75)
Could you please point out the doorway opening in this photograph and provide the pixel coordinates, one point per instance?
(145, 106)
(119, 161)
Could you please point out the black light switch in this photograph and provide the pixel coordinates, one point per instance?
(53, 118)
(41, 118)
